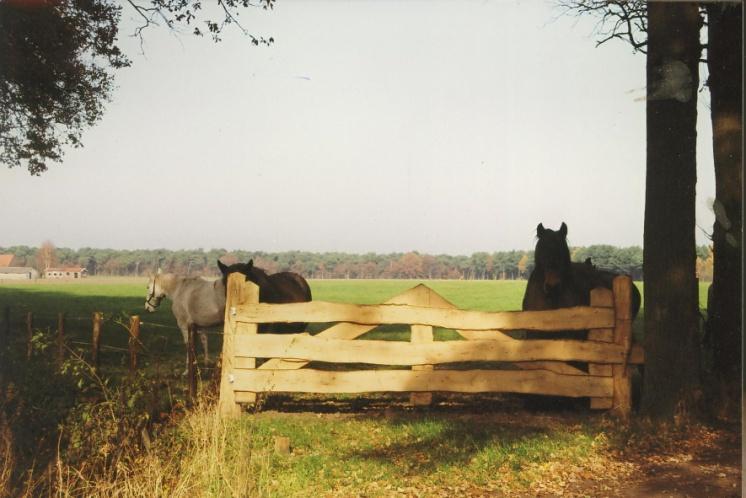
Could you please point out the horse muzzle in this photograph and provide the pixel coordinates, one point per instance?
(552, 280)
(151, 307)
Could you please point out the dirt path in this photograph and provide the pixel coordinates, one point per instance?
(709, 466)
(706, 463)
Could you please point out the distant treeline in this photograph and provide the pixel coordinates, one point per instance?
(480, 265)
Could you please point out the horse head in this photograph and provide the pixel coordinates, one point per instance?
(248, 270)
(552, 257)
(155, 293)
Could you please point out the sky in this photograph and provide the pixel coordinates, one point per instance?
(368, 126)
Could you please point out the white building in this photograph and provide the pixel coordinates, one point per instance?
(69, 272)
(18, 273)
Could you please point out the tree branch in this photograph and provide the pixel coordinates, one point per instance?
(174, 12)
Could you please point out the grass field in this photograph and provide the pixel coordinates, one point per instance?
(119, 298)
(372, 445)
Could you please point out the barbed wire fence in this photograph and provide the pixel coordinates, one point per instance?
(20, 325)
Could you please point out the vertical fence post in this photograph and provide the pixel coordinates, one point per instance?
(191, 365)
(238, 292)
(29, 334)
(622, 287)
(96, 339)
(604, 298)
(61, 337)
(5, 337)
(420, 334)
(6, 321)
(134, 340)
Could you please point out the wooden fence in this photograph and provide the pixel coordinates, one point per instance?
(532, 366)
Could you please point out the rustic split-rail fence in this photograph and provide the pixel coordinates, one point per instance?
(532, 366)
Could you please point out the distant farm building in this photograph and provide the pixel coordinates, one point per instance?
(72, 272)
(9, 272)
(18, 273)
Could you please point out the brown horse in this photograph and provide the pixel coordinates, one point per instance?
(556, 282)
(283, 287)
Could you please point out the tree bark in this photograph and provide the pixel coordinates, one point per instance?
(724, 56)
(669, 256)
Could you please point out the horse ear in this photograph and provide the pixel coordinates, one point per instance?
(223, 268)
(159, 271)
(540, 230)
(250, 264)
(588, 262)
(563, 229)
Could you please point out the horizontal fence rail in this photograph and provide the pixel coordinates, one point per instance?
(306, 347)
(531, 366)
(578, 318)
(469, 381)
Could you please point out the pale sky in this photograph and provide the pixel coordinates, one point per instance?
(441, 127)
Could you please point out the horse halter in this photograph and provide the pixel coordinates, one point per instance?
(152, 296)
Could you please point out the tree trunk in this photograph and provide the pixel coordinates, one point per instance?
(669, 255)
(724, 58)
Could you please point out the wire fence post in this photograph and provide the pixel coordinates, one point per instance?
(61, 337)
(6, 322)
(191, 365)
(134, 341)
(29, 334)
(96, 339)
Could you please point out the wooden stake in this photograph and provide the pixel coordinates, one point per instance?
(191, 365)
(282, 445)
(60, 337)
(96, 338)
(29, 334)
(134, 341)
(6, 319)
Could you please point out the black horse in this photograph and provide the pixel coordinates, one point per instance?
(283, 287)
(556, 282)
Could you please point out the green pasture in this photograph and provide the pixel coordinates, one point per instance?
(120, 298)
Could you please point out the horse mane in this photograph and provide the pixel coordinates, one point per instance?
(248, 270)
(165, 281)
(257, 275)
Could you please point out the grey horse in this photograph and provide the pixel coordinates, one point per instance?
(196, 302)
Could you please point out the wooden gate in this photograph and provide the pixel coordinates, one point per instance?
(533, 366)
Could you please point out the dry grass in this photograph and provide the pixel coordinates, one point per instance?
(7, 460)
(204, 456)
